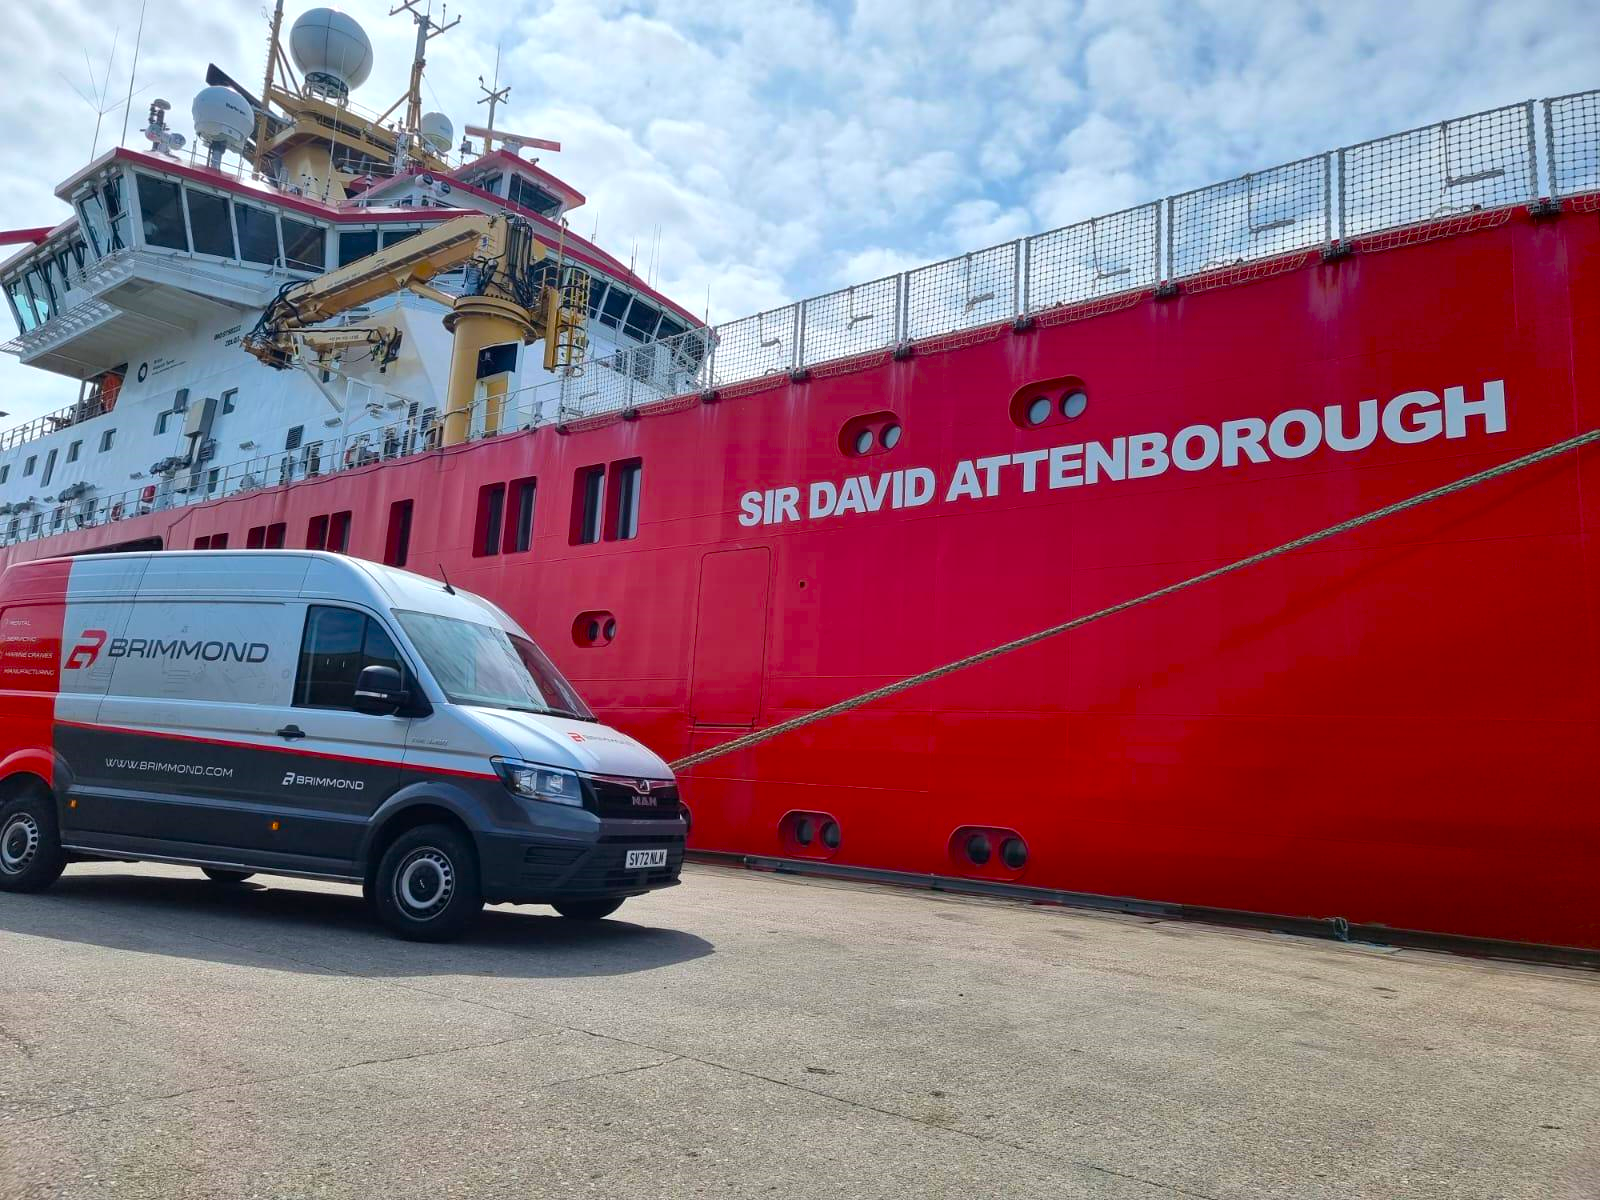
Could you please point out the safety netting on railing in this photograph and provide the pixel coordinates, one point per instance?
(1257, 216)
(1099, 257)
(1438, 171)
(852, 321)
(753, 347)
(978, 288)
(1572, 142)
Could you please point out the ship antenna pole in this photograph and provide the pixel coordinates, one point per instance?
(133, 72)
(493, 96)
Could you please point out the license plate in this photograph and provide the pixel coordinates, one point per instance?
(646, 858)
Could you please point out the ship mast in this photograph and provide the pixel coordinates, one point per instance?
(273, 52)
(427, 30)
(493, 94)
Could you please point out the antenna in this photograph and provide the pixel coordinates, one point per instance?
(446, 579)
(133, 72)
(493, 93)
(95, 98)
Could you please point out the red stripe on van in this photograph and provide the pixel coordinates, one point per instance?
(284, 749)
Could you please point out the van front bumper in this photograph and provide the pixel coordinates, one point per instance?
(529, 869)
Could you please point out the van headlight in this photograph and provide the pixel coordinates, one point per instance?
(550, 784)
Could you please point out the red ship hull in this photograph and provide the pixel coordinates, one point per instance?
(1400, 726)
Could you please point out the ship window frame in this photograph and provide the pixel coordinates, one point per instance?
(120, 225)
(152, 208)
(93, 220)
(49, 466)
(625, 485)
(489, 529)
(74, 450)
(27, 320)
(228, 398)
(29, 464)
(189, 194)
(641, 333)
(108, 438)
(303, 264)
(588, 505)
(239, 209)
(5, 472)
(605, 317)
(397, 543)
(522, 502)
(346, 234)
(42, 309)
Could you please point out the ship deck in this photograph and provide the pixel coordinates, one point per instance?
(752, 1034)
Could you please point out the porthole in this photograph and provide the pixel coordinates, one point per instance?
(978, 848)
(808, 834)
(988, 852)
(591, 629)
(1014, 853)
(870, 433)
(1042, 403)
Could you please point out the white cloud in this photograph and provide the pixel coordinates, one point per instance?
(789, 147)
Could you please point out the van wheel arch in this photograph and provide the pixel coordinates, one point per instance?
(24, 783)
(423, 812)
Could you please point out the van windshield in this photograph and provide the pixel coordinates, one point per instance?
(485, 665)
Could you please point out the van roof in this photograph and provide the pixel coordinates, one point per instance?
(258, 574)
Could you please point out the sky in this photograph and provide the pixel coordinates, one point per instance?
(779, 149)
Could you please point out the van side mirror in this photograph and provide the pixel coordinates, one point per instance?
(380, 691)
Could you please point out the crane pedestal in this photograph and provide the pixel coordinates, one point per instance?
(476, 323)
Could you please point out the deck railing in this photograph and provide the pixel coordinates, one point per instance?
(1432, 181)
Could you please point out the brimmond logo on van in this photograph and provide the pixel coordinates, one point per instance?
(90, 641)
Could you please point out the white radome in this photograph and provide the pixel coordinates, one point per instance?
(327, 42)
(221, 115)
(438, 132)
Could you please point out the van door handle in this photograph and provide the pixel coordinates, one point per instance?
(290, 732)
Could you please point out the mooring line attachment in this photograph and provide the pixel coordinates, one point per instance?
(843, 706)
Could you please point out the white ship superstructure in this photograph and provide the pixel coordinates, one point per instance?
(142, 296)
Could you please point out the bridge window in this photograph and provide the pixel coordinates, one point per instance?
(116, 213)
(161, 209)
(534, 197)
(642, 320)
(392, 237)
(210, 223)
(303, 246)
(44, 299)
(616, 304)
(358, 243)
(21, 306)
(258, 234)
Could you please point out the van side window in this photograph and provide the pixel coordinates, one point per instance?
(338, 644)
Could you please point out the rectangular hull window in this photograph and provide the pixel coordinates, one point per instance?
(626, 480)
(397, 546)
(588, 502)
(491, 510)
(520, 536)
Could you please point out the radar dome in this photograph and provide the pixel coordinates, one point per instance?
(332, 50)
(221, 116)
(437, 132)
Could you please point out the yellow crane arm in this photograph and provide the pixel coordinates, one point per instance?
(406, 264)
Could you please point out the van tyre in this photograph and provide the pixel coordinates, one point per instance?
(427, 887)
(588, 910)
(31, 858)
(217, 875)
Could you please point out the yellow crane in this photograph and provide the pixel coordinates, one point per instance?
(516, 291)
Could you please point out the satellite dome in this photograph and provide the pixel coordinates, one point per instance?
(438, 134)
(332, 50)
(221, 116)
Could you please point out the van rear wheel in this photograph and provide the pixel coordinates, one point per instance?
(588, 910)
(31, 858)
(427, 887)
(217, 875)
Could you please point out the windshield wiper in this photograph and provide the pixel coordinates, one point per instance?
(545, 712)
(567, 712)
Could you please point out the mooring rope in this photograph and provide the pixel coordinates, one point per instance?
(961, 664)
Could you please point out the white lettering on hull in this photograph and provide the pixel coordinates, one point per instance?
(1409, 419)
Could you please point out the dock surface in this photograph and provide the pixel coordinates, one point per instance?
(758, 1035)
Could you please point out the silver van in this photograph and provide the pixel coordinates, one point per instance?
(309, 714)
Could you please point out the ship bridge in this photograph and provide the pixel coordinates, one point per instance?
(154, 250)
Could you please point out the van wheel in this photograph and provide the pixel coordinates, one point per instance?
(217, 875)
(427, 887)
(588, 910)
(31, 858)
